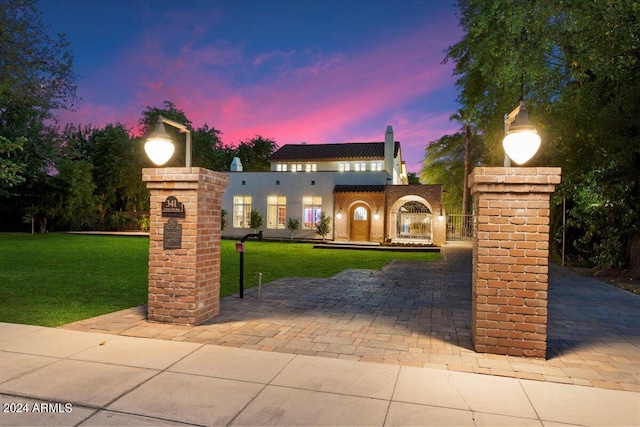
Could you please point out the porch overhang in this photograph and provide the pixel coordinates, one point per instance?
(359, 189)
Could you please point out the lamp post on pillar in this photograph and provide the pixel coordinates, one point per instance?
(511, 246)
(184, 234)
(159, 146)
(521, 139)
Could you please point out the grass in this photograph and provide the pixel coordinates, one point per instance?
(54, 279)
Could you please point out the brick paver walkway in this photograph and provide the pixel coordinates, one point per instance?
(417, 314)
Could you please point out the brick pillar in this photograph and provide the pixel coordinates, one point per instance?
(184, 271)
(510, 259)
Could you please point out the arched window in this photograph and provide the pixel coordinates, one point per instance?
(360, 214)
(414, 221)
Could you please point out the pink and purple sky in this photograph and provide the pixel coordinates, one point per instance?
(308, 70)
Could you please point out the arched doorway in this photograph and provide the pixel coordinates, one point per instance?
(414, 221)
(359, 222)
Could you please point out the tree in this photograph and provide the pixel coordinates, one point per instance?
(75, 204)
(293, 225)
(117, 167)
(412, 178)
(576, 64)
(10, 170)
(255, 219)
(36, 78)
(465, 118)
(443, 164)
(208, 151)
(112, 155)
(255, 153)
(223, 219)
(323, 227)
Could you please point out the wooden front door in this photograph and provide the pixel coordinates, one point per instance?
(360, 223)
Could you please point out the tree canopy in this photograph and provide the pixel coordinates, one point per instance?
(36, 78)
(576, 64)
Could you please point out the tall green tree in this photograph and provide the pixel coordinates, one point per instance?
(576, 64)
(117, 170)
(36, 79)
(444, 163)
(465, 118)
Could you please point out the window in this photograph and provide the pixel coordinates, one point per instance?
(311, 167)
(281, 167)
(376, 166)
(276, 212)
(347, 167)
(311, 210)
(341, 167)
(360, 167)
(241, 211)
(296, 167)
(360, 214)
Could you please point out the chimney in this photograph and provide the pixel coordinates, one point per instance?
(236, 165)
(389, 149)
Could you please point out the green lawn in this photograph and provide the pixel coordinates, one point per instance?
(54, 279)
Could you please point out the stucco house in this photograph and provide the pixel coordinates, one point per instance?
(362, 186)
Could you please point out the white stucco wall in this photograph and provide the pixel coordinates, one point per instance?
(294, 186)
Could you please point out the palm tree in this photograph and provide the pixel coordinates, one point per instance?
(465, 117)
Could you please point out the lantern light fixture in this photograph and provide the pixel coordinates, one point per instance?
(521, 141)
(159, 146)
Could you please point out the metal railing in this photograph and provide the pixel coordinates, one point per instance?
(459, 227)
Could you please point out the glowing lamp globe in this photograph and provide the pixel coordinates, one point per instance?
(521, 146)
(159, 147)
(522, 140)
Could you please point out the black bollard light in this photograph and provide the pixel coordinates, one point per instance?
(240, 249)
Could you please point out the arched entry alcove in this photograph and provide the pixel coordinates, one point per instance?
(411, 218)
(414, 221)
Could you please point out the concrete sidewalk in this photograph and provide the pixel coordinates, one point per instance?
(83, 378)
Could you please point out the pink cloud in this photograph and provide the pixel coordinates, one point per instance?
(311, 97)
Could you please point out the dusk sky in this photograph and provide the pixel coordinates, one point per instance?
(315, 71)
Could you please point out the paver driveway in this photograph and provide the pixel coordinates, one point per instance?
(416, 314)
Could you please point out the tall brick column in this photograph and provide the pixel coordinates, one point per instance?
(184, 265)
(510, 259)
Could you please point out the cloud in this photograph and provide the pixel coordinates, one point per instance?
(291, 95)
